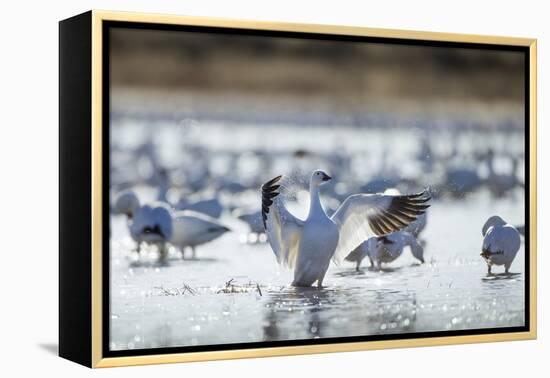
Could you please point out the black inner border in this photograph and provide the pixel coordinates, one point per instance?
(106, 27)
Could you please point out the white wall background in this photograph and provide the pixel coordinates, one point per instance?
(29, 188)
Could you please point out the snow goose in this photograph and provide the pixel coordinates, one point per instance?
(252, 218)
(460, 181)
(307, 246)
(211, 207)
(152, 224)
(191, 229)
(127, 203)
(501, 183)
(501, 243)
(385, 249)
(416, 226)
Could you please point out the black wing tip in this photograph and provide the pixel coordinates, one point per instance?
(269, 184)
(404, 210)
(269, 192)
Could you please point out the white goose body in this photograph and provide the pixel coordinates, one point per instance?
(386, 249)
(501, 242)
(307, 246)
(318, 243)
(191, 229)
(157, 224)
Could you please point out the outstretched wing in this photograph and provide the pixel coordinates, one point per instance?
(283, 229)
(361, 216)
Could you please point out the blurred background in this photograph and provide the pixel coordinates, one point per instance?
(245, 108)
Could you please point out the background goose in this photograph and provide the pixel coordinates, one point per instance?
(127, 203)
(211, 207)
(385, 249)
(152, 224)
(501, 183)
(191, 229)
(252, 218)
(501, 243)
(307, 246)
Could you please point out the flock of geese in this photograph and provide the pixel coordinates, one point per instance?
(377, 226)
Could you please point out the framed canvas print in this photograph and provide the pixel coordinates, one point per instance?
(235, 189)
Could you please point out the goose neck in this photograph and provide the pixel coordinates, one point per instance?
(315, 200)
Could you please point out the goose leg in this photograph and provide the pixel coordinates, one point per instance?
(507, 268)
(320, 281)
(182, 251)
(163, 252)
(489, 269)
(371, 263)
(358, 266)
(194, 253)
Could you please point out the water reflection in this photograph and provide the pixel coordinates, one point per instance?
(346, 311)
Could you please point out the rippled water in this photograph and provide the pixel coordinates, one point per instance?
(234, 292)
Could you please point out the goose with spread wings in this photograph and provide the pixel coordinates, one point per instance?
(307, 246)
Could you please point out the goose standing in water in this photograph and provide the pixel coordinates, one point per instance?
(501, 243)
(157, 224)
(385, 249)
(501, 183)
(127, 203)
(191, 229)
(152, 224)
(307, 246)
(252, 218)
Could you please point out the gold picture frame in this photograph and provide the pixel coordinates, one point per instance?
(92, 355)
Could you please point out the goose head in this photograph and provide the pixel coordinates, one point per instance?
(126, 203)
(318, 178)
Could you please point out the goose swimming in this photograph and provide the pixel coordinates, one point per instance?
(307, 246)
(501, 243)
(385, 249)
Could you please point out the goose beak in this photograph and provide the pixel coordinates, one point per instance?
(326, 177)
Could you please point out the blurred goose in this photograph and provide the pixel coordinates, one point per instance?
(127, 203)
(307, 246)
(252, 218)
(191, 229)
(501, 243)
(385, 249)
(521, 230)
(461, 181)
(152, 224)
(211, 207)
(416, 227)
(500, 184)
